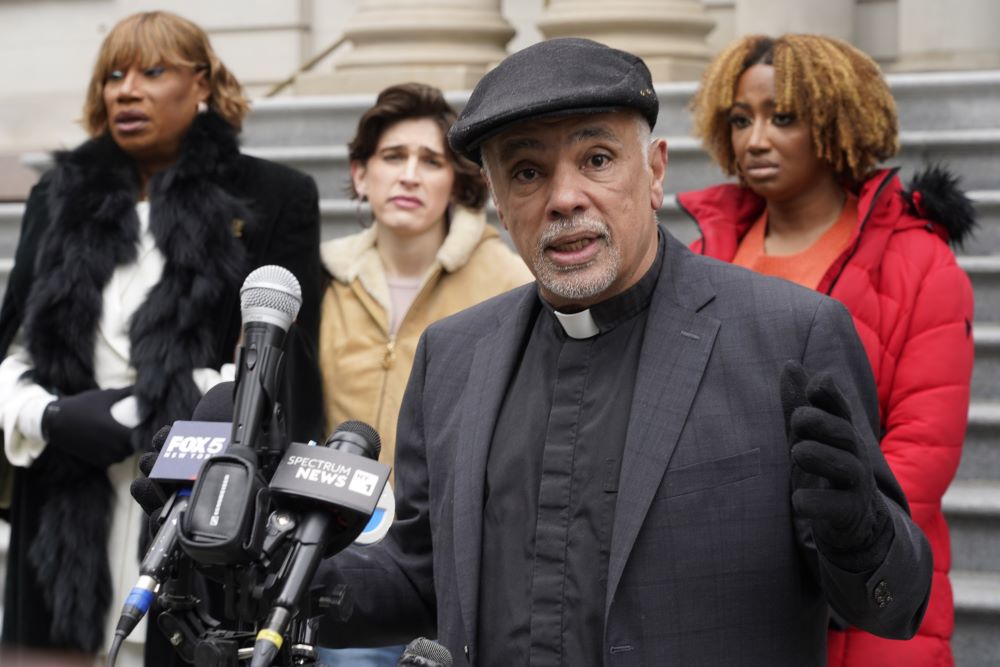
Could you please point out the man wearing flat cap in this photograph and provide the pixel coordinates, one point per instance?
(645, 458)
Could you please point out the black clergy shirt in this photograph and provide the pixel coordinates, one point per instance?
(552, 482)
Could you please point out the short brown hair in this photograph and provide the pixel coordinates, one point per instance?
(836, 88)
(151, 38)
(408, 101)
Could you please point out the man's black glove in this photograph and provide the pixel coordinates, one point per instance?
(82, 425)
(833, 484)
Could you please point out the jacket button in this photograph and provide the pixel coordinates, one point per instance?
(465, 649)
(882, 595)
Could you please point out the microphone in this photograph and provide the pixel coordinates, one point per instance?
(213, 411)
(269, 301)
(346, 477)
(222, 524)
(423, 652)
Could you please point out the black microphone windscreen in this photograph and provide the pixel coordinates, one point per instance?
(423, 651)
(372, 442)
(216, 405)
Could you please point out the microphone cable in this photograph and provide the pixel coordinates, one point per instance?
(116, 646)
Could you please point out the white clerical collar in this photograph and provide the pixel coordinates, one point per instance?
(578, 325)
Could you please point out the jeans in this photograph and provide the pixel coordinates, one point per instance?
(383, 656)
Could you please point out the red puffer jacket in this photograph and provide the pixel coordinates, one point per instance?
(912, 306)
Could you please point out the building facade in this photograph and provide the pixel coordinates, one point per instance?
(449, 43)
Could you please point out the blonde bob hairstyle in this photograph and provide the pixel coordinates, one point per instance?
(154, 38)
(825, 82)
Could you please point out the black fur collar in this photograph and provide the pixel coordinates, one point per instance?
(934, 194)
(94, 229)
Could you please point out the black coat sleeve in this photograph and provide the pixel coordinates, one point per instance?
(287, 202)
(889, 601)
(33, 225)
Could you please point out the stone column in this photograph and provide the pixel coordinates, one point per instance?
(446, 43)
(958, 34)
(668, 34)
(834, 18)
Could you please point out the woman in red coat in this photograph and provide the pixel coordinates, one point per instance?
(803, 120)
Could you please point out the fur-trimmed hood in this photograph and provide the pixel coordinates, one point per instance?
(355, 257)
(933, 194)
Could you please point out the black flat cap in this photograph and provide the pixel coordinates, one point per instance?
(556, 77)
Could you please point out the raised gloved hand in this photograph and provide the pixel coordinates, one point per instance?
(833, 484)
(149, 494)
(82, 425)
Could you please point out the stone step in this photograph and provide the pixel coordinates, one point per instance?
(341, 216)
(986, 239)
(981, 452)
(6, 264)
(947, 100)
(984, 272)
(10, 227)
(986, 374)
(977, 618)
(970, 153)
(925, 101)
(332, 120)
(312, 120)
(972, 508)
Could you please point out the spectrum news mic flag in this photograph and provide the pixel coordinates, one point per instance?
(331, 492)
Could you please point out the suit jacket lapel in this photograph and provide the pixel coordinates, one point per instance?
(479, 407)
(675, 350)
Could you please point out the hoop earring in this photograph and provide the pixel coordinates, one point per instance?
(360, 214)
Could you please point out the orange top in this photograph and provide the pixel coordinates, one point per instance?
(808, 267)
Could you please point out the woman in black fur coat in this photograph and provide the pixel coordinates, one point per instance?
(123, 308)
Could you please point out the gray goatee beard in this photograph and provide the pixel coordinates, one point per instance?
(583, 281)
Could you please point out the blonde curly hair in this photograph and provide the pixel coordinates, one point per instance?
(151, 38)
(826, 82)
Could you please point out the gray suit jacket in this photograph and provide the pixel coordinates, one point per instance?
(707, 564)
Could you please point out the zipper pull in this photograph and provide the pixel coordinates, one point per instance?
(390, 355)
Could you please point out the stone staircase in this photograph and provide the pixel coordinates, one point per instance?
(946, 117)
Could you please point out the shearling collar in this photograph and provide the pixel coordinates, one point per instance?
(355, 257)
